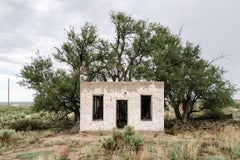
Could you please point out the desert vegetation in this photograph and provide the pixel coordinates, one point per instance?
(202, 138)
(139, 50)
(201, 119)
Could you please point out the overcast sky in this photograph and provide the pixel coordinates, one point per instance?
(30, 25)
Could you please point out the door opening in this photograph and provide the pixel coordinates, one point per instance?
(122, 117)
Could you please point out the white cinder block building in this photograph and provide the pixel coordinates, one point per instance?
(105, 105)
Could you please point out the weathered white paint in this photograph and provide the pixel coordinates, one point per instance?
(114, 91)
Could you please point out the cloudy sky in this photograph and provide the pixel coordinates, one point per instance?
(30, 25)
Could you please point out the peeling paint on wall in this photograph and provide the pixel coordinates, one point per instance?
(130, 93)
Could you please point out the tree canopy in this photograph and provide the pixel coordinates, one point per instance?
(139, 51)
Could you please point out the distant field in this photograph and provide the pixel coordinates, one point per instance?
(16, 103)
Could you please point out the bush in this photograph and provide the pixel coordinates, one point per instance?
(28, 125)
(5, 136)
(109, 144)
(118, 138)
(236, 105)
(128, 139)
(214, 114)
(136, 143)
(128, 131)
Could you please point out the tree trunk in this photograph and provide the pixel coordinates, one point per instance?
(186, 110)
(177, 113)
(76, 116)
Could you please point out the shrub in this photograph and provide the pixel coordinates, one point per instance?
(136, 143)
(128, 139)
(5, 136)
(214, 114)
(117, 135)
(28, 125)
(118, 138)
(128, 131)
(132, 139)
(109, 144)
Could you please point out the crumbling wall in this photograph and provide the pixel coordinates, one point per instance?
(113, 91)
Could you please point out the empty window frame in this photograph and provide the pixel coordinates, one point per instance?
(98, 107)
(146, 110)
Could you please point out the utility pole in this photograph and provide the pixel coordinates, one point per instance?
(8, 92)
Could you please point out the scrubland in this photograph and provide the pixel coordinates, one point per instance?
(26, 134)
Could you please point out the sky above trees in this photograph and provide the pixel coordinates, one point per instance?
(28, 26)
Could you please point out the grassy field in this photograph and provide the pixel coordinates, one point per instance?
(39, 138)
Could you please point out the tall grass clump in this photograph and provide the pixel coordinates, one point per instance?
(183, 151)
(229, 141)
(225, 142)
(5, 136)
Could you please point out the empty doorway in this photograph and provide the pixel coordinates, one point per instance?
(122, 113)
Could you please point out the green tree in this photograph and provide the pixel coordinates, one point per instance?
(55, 91)
(139, 51)
(187, 77)
(129, 47)
(58, 91)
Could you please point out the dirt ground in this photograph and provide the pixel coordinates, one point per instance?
(57, 145)
(157, 144)
(77, 145)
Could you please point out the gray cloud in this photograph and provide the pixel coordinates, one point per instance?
(29, 25)
(9, 60)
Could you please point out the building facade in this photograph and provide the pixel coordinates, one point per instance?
(105, 105)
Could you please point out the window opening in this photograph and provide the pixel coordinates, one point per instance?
(97, 107)
(121, 113)
(146, 113)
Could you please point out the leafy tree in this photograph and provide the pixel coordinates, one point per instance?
(58, 90)
(139, 51)
(128, 48)
(187, 77)
(55, 91)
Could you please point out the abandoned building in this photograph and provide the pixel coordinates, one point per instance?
(105, 105)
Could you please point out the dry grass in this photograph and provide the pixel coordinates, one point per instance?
(203, 140)
(196, 144)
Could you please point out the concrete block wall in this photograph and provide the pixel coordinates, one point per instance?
(113, 91)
